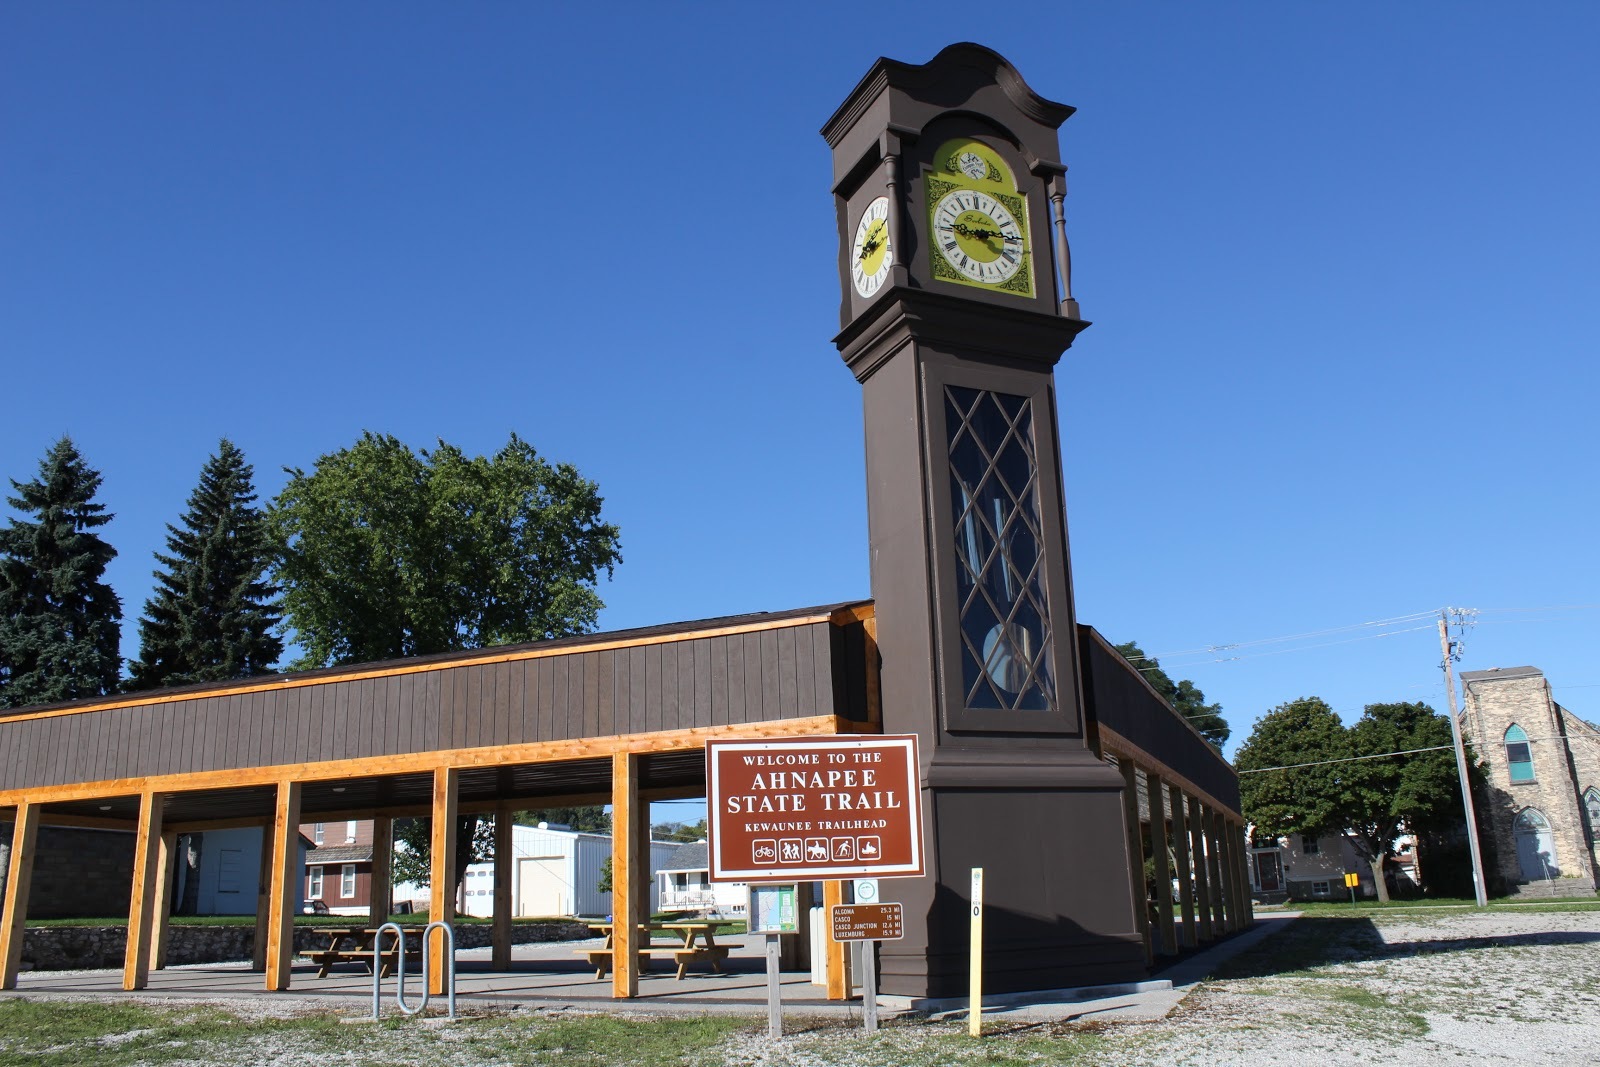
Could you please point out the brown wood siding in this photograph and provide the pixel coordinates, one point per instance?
(785, 672)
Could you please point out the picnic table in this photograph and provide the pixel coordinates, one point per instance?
(689, 943)
(353, 944)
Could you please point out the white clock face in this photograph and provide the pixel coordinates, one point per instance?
(869, 253)
(978, 236)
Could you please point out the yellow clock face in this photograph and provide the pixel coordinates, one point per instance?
(977, 220)
(869, 253)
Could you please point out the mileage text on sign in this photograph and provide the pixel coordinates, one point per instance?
(867, 922)
(839, 806)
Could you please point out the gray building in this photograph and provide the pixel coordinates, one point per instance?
(1543, 791)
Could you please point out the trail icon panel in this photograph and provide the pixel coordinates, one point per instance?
(867, 922)
(792, 809)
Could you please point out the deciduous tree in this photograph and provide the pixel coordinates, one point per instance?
(1185, 697)
(384, 552)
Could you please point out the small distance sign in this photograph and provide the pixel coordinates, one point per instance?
(802, 808)
(867, 922)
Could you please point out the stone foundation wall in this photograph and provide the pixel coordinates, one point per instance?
(63, 948)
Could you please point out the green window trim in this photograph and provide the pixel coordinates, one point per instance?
(1519, 755)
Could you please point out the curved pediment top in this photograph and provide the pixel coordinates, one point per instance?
(997, 67)
(946, 80)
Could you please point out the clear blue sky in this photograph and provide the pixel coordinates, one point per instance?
(1340, 258)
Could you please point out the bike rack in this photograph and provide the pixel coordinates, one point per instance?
(400, 969)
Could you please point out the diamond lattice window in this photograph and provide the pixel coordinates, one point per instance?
(994, 494)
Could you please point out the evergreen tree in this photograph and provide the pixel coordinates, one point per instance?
(213, 612)
(60, 625)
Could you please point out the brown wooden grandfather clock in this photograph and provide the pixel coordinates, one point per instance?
(957, 305)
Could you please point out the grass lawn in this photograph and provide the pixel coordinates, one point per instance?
(1334, 909)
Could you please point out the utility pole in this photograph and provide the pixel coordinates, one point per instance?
(1461, 764)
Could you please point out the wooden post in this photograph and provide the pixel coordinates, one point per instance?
(442, 879)
(1247, 906)
(380, 887)
(258, 957)
(1214, 868)
(166, 863)
(1130, 823)
(1180, 841)
(839, 984)
(1155, 796)
(1227, 910)
(1202, 884)
(19, 878)
(284, 880)
(625, 909)
(1236, 895)
(141, 907)
(505, 862)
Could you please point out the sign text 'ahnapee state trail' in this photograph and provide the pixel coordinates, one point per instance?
(814, 807)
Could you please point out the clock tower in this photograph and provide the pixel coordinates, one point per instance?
(956, 306)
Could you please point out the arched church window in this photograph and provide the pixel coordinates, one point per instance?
(1531, 820)
(1536, 846)
(1519, 757)
(1591, 804)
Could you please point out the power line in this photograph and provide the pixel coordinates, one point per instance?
(1346, 759)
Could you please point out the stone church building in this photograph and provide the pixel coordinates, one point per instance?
(1543, 802)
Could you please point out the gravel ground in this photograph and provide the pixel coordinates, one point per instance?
(1450, 986)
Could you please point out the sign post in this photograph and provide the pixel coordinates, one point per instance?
(1352, 880)
(868, 924)
(975, 974)
(773, 912)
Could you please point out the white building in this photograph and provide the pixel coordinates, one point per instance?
(556, 872)
(684, 884)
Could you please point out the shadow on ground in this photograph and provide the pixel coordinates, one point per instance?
(1318, 942)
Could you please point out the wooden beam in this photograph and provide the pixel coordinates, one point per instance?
(1116, 745)
(505, 864)
(512, 803)
(258, 952)
(86, 822)
(285, 883)
(1130, 824)
(1160, 843)
(1180, 841)
(442, 878)
(166, 865)
(1202, 884)
(281, 682)
(625, 910)
(19, 879)
(839, 984)
(380, 888)
(146, 878)
(424, 762)
(200, 826)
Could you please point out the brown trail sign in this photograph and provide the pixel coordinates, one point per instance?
(800, 808)
(867, 922)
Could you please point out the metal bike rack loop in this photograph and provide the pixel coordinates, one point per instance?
(400, 969)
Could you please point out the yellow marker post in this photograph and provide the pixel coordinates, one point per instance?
(1352, 880)
(975, 979)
